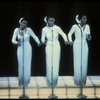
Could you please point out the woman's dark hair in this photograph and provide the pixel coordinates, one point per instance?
(80, 16)
(48, 17)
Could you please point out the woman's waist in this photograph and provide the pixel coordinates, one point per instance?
(80, 39)
(54, 42)
(50, 43)
(24, 43)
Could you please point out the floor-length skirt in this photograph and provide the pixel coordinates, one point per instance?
(52, 62)
(24, 55)
(80, 62)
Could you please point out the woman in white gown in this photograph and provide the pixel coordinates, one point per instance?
(80, 49)
(50, 34)
(24, 51)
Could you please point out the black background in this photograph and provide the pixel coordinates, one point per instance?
(34, 11)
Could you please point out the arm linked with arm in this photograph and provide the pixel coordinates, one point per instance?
(63, 35)
(43, 37)
(32, 34)
(72, 30)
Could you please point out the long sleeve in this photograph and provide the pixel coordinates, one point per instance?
(88, 33)
(32, 34)
(88, 29)
(43, 37)
(62, 34)
(72, 30)
(15, 34)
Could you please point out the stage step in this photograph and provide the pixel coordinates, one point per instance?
(38, 87)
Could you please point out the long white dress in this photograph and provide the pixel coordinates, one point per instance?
(52, 50)
(24, 54)
(80, 52)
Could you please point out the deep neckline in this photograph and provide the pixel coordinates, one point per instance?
(82, 27)
(23, 31)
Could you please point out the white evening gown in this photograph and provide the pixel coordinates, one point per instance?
(52, 50)
(80, 52)
(24, 54)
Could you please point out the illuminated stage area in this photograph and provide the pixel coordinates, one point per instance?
(38, 88)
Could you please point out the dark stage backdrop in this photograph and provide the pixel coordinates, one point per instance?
(34, 11)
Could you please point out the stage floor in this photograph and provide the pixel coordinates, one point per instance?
(38, 88)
